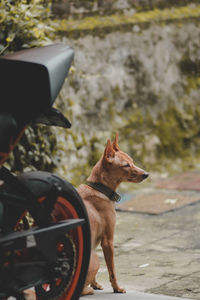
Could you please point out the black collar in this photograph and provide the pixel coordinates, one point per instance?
(100, 187)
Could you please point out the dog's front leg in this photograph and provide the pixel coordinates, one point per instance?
(108, 250)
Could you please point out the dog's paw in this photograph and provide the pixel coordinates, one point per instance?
(119, 290)
(96, 286)
(87, 291)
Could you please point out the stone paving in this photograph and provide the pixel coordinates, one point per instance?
(158, 254)
(130, 295)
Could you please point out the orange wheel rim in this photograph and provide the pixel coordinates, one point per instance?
(67, 211)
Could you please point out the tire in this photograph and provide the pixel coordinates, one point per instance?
(68, 205)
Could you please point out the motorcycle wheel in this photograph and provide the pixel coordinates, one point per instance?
(68, 206)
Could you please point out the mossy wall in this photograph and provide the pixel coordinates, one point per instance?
(80, 8)
(141, 80)
(143, 83)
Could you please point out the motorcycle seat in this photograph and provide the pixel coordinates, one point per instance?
(31, 79)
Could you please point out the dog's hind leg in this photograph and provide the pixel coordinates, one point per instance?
(90, 283)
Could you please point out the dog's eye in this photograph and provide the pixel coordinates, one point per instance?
(126, 166)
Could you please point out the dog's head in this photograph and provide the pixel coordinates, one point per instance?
(120, 165)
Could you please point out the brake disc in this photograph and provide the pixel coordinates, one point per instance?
(64, 269)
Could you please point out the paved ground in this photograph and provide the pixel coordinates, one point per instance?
(157, 254)
(130, 295)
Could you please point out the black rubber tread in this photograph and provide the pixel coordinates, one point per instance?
(40, 183)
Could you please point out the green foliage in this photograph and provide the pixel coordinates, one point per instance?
(24, 24)
(34, 151)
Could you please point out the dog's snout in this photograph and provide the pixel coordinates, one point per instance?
(145, 175)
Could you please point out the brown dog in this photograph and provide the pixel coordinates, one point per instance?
(99, 196)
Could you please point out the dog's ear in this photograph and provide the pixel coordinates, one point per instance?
(109, 152)
(115, 143)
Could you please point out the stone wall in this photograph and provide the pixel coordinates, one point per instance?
(80, 8)
(144, 84)
(141, 80)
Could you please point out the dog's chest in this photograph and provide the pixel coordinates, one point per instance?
(102, 222)
(101, 213)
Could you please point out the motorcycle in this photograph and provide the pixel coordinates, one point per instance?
(44, 226)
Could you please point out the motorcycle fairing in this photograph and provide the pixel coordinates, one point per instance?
(53, 117)
(30, 80)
